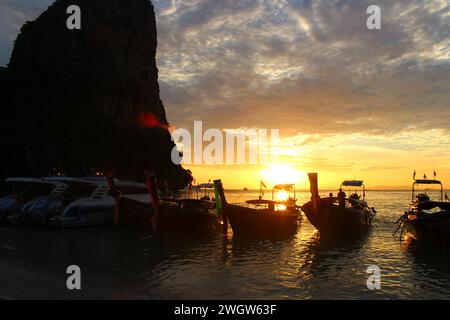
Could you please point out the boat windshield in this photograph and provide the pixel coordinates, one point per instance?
(27, 189)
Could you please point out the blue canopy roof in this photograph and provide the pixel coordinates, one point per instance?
(426, 181)
(352, 183)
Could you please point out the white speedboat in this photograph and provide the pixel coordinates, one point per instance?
(23, 192)
(41, 209)
(97, 208)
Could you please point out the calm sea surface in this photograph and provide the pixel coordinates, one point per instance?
(122, 263)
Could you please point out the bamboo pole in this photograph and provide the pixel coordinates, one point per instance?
(219, 186)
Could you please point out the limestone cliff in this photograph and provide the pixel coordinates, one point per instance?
(89, 98)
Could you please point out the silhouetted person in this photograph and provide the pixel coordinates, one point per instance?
(330, 197)
(341, 197)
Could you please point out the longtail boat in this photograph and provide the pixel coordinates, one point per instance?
(166, 214)
(338, 215)
(261, 217)
(426, 220)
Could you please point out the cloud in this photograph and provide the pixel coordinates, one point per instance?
(304, 66)
(307, 66)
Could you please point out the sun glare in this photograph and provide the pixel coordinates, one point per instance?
(282, 195)
(281, 173)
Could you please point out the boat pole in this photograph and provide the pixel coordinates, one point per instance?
(223, 200)
(117, 195)
(314, 188)
(152, 188)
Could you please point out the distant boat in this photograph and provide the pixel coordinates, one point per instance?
(261, 217)
(338, 215)
(245, 189)
(426, 220)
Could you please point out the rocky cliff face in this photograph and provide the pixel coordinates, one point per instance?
(76, 99)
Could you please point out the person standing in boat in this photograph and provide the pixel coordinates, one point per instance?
(341, 197)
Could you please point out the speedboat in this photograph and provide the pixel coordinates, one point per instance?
(40, 210)
(426, 220)
(96, 208)
(24, 193)
(341, 214)
(262, 217)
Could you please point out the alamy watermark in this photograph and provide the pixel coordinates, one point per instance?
(374, 280)
(73, 22)
(226, 146)
(373, 22)
(73, 282)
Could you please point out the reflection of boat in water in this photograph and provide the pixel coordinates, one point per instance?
(426, 220)
(260, 217)
(167, 214)
(433, 258)
(338, 214)
(24, 191)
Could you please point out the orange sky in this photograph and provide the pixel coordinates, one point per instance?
(340, 157)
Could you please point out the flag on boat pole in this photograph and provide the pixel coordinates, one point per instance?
(414, 175)
(434, 173)
(424, 176)
(261, 186)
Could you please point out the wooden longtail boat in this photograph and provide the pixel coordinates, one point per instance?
(426, 220)
(338, 215)
(167, 215)
(261, 217)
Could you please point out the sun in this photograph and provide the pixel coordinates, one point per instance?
(281, 173)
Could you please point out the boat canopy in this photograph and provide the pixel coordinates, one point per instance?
(206, 185)
(283, 186)
(264, 201)
(353, 183)
(426, 181)
(86, 180)
(31, 180)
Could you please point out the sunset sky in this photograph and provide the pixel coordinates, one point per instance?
(350, 103)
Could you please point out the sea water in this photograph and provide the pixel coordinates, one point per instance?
(121, 262)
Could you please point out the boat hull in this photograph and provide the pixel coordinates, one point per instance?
(84, 217)
(186, 221)
(169, 219)
(330, 218)
(429, 228)
(259, 222)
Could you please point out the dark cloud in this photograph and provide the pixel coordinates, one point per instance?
(315, 67)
